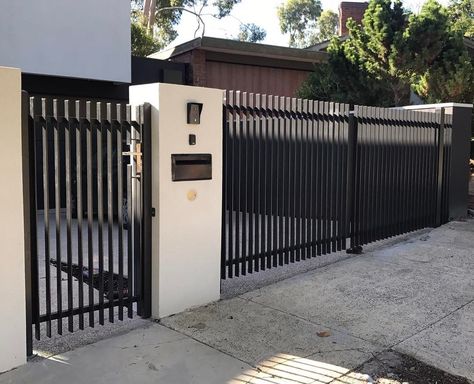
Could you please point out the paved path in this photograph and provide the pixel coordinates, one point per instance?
(414, 296)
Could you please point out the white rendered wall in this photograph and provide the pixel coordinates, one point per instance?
(74, 38)
(12, 262)
(186, 243)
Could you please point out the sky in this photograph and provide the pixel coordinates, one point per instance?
(260, 12)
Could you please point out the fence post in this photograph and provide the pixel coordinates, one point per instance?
(440, 167)
(29, 205)
(458, 167)
(458, 188)
(148, 211)
(351, 190)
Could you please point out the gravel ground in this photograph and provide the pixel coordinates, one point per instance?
(239, 285)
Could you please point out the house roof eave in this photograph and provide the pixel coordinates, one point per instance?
(213, 44)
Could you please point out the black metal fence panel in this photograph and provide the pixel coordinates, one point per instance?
(398, 167)
(303, 177)
(89, 191)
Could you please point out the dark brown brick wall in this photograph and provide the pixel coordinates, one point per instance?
(347, 10)
(196, 71)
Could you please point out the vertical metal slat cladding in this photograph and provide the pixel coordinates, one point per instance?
(90, 210)
(266, 184)
(268, 178)
(263, 163)
(251, 188)
(285, 104)
(279, 110)
(304, 185)
(336, 180)
(326, 181)
(332, 245)
(238, 187)
(28, 174)
(344, 233)
(274, 178)
(311, 216)
(281, 187)
(130, 219)
(46, 125)
(100, 129)
(35, 131)
(231, 181)
(225, 197)
(258, 183)
(120, 211)
(290, 181)
(57, 199)
(298, 180)
(110, 212)
(244, 140)
(317, 177)
(79, 209)
(129, 244)
(68, 132)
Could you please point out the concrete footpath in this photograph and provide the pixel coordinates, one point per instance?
(412, 297)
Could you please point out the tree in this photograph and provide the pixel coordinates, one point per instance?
(392, 52)
(306, 22)
(251, 33)
(160, 18)
(442, 68)
(343, 80)
(143, 43)
(298, 18)
(361, 70)
(461, 13)
(328, 23)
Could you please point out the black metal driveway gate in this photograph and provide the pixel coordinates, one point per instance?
(89, 211)
(304, 178)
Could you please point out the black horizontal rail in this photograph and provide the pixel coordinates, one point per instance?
(88, 308)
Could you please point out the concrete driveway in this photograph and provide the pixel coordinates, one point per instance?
(415, 297)
(403, 298)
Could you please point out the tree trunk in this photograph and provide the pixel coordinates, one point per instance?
(149, 13)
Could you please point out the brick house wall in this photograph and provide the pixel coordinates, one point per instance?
(347, 10)
(203, 72)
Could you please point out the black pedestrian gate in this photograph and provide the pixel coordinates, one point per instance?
(88, 239)
(304, 178)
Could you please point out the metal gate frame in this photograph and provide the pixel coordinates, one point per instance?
(109, 117)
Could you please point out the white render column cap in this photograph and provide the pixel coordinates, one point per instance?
(440, 105)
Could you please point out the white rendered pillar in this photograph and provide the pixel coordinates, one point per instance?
(12, 255)
(186, 229)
